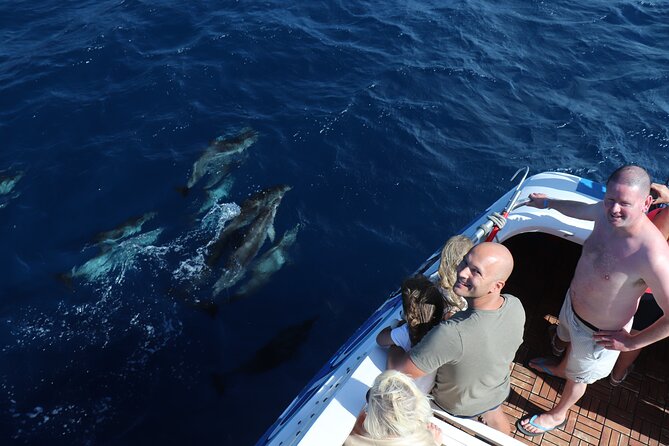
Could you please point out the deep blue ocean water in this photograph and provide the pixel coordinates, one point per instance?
(393, 122)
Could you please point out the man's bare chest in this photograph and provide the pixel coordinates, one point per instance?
(609, 260)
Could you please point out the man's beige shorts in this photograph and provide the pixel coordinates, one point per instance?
(587, 361)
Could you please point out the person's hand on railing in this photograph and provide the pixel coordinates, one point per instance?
(538, 200)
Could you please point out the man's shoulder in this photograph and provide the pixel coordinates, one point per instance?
(445, 336)
(651, 241)
(511, 300)
(510, 297)
(652, 236)
(655, 246)
(448, 330)
(447, 325)
(514, 306)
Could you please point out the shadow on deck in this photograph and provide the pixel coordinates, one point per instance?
(634, 413)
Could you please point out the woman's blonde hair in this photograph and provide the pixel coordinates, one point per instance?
(452, 254)
(396, 408)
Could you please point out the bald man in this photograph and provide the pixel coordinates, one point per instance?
(473, 350)
(624, 254)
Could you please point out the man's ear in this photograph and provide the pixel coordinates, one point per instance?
(647, 202)
(498, 285)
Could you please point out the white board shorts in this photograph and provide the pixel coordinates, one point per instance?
(587, 361)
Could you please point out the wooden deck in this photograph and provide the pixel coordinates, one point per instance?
(634, 413)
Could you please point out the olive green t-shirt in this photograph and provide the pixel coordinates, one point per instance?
(472, 353)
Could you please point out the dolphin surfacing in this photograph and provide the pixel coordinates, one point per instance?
(250, 240)
(267, 264)
(217, 159)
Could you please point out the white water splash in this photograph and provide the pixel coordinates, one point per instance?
(114, 264)
(211, 226)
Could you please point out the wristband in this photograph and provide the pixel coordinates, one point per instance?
(546, 203)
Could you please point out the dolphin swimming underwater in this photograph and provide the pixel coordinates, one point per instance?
(268, 263)
(8, 182)
(283, 347)
(217, 158)
(247, 246)
(216, 194)
(118, 259)
(233, 234)
(125, 229)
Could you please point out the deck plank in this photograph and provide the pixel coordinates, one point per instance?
(634, 413)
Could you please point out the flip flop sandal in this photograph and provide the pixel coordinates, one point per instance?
(543, 429)
(539, 363)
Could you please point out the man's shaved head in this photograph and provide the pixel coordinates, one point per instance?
(499, 257)
(633, 176)
(483, 271)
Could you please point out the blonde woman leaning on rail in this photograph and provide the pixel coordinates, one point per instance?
(452, 254)
(397, 414)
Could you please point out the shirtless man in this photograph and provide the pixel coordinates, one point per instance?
(624, 254)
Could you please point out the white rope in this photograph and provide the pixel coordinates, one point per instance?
(497, 219)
